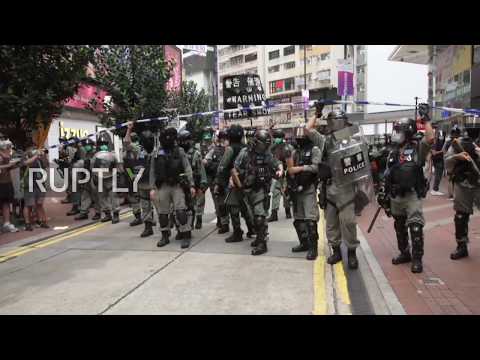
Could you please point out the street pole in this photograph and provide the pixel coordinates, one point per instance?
(416, 107)
(344, 97)
(305, 77)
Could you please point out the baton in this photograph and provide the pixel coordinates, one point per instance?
(374, 219)
(459, 149)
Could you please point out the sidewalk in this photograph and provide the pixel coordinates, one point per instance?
(445, 286)
(56, 219)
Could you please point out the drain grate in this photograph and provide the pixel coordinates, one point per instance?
(433, 281)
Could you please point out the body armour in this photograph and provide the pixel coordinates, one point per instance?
(168, 167)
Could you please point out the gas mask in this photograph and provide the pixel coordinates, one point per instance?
(301, 138)
(168, 137)
(336, 120)
(262, 141)
(147, 140)
(403, 131)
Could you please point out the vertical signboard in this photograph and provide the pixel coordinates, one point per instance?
(174, 54)
(345, 77)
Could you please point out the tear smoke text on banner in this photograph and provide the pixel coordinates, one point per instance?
(243, 91)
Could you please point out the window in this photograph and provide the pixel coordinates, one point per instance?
(289, 50)
(323, 75)
(273, 69)
(236, 60)
(273, 54)
(251, 57)
(289, 84)
(325, 56)
(466, 77)
(309, 47)
(276, 86)
(289, 65)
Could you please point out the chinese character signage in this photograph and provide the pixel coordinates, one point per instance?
(83, 97)
(242, 91)
(174, 54)
(198, 49)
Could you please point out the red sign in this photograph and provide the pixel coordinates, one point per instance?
(83, 96)
(174, 53)
(420, 125)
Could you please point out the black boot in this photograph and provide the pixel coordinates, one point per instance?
(148, 230)
(224, 229)
(137, 220)
(460, 252)
(81, 216)
(219, 223)
(288, 213)
(171, 221)
(261, 241)
(302, 234)
(352, 259)
(235, 237)
(164, 240)
(402, 241)
(273, 216)
(312, 240)
(186, 238)
(179, 235)
(74, 211)
(107, 217)
(251, 233)
(115, 218)
(416, 233)
(336, 255)
(97, 216)
(198, 223)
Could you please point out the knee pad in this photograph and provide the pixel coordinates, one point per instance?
(461, 220)
(416, 231)
(461, 217)
(259, 220)
(182, 217)
(163, 220)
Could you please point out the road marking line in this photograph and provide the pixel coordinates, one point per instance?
(319, 283)
(55, 239)
(341, 282)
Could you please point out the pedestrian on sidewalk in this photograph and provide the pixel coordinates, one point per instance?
(406, 186)
(33, 195)
(6, 186)
(455, 133)
(437, 160)
(460, 162)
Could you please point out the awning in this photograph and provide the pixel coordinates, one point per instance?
(415, 54)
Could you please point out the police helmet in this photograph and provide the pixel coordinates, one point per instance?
(278, 134)
(147, 140)
(235, 133)
(262, 141)
(104, 139)
(404, 130)
(455, 131)
(168, 137)
(336, 120)
(301, 137)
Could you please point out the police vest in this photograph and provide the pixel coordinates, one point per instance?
(464, 170)
(143, 162)
(212, 165)
(258, 172)
(303, 157)
(404, 172)
(168, 167)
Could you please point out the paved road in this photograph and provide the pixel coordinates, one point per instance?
(108, 269)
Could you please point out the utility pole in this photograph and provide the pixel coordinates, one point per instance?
(344, 97)
(305, 77)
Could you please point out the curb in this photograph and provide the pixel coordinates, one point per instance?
(391, 300)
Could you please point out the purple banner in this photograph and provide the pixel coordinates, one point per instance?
(345, 83)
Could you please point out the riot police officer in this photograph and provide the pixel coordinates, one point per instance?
(75, 153)
(463, 161)
(88, 193)
(344, 171)
(254, 169)
(173, 182)
(211, 163)
(234, 200)
(281, 151)
(406, 186)
(105, 159)
(140, 202)
(302, 174)
(185, 140)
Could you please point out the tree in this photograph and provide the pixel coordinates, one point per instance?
(135, 77)
(35, 82)
(192, 101)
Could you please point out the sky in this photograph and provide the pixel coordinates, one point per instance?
(392, 81)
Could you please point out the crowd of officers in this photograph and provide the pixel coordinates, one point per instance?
(246, 172)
